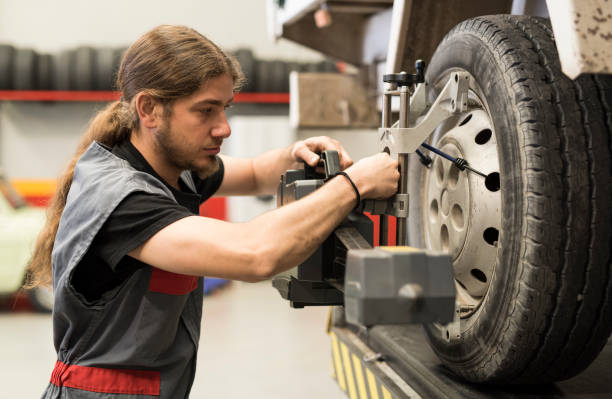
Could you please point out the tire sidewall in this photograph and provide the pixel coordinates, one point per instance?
(468, 52)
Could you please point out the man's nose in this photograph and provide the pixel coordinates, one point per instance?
(222, 129)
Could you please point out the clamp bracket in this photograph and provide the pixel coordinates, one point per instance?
(452, 100)
(395, 206)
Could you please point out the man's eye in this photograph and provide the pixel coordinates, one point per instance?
(229, 106)
(206, 111)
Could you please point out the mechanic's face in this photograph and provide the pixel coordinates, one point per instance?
(192, 135)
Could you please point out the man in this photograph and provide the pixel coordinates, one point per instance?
(126, 245)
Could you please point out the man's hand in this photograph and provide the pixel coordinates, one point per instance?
(309, 149)
(375, 176)
(260, 175)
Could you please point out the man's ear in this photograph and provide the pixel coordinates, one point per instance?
(149, 110)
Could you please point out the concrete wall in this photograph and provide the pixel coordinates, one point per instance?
(37, 139)
(251, 136)
(55, 25)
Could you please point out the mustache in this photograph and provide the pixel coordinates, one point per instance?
(215, 144)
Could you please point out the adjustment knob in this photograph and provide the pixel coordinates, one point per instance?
(406, 79)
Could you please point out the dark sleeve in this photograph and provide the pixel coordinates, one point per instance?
(209, 186)
(136, 219)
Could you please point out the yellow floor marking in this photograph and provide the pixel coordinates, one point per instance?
(363, 394)
(386, 394)
(349, 371)
(338, 362)
(372, 384)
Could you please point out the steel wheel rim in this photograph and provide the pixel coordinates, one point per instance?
(461, 211)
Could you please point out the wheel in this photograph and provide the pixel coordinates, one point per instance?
(61, 70)
(119, 53)
(6, 66)
(279, 77)
(45, 72)
(327, 66)
(105, 69)
(25, 70)
(531, 243)
(82, 71)
(264, 79)
(247, 63)
(41, 299)
(310, 67)
(293, 66)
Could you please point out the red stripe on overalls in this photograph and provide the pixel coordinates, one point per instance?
(172, 283)
(103, 380)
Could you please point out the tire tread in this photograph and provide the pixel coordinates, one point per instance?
(561, 313)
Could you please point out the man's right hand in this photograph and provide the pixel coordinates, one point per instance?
(376, 177)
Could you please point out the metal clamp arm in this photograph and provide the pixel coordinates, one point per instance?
(452, 100)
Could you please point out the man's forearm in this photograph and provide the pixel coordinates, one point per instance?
(272, 242)
(300, 227)
(269, 166)
(269, 244)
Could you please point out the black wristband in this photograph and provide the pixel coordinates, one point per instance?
(352, 184)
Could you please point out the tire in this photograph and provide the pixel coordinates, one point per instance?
(264, 79)
(25, 70)
(279, 77)
(82, 70)
(247, 63)
(540, 311)
(105, 69)
(119, 53)
(293, 66)
(310, 67)
(327, 66)
(61, 70)
(45, 72)
(6, 66)
(41, 299)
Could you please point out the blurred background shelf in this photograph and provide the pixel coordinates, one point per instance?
(103, 96)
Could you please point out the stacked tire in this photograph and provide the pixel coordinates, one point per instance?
(84, 68)
(7, 54)
(88, 68)
(272, 76)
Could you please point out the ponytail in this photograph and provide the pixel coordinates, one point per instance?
(109, 127)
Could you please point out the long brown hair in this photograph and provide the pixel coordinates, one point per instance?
(167, 63)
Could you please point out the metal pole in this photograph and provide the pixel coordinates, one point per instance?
(386, 110)
(383, 228)
(401, 226)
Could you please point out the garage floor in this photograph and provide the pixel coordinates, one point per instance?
(253, 345)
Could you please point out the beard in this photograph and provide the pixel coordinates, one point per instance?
(179, 155)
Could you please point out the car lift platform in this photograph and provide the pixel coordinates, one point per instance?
(396, 362)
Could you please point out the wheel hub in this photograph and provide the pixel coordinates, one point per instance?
(448, 196)
(462, 209)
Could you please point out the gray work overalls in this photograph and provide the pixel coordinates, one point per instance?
(142, 341)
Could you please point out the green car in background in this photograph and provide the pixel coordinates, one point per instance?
(19, 227)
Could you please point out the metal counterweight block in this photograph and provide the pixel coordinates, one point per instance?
(397, 285)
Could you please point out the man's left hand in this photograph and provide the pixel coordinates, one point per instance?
(308, 151)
